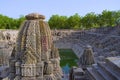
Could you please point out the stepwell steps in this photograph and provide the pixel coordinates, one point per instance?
(102, 73)
(110, 71)
(114, 63)
(93, 75)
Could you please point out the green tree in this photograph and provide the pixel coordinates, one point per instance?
(74, 22)
(89, 20)
(19, 21)
(10, 23)
(118, 22)
(107, 18)
(57, 22)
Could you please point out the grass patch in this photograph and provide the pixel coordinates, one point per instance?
(67, 57)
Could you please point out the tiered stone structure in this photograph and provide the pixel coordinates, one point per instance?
(108, 70)
(35, 57)
(87, 58)
(105, 42)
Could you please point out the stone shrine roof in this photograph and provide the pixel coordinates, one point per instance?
(33, 16)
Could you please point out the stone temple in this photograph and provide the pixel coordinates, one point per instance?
(34, 56)
(31, 55)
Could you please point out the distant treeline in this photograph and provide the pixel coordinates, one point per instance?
(90, 20)
(10, 23)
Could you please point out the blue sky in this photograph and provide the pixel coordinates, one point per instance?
(15, 8)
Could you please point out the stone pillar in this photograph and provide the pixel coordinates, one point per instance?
(12, 70)
(18, 70)
(39, 70)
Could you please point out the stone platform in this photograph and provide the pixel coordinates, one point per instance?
(108, 70)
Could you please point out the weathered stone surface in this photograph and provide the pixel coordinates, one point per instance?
(108, 70)
(104, 41)
(33, 56)
(115, 61)
(76, 73)
(87, 57)
(33, 16)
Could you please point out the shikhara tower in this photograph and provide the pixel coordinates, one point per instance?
(35, 57)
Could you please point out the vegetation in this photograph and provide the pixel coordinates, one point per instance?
(90, 20)
(118, 21)
(10, 23)
(70, 59)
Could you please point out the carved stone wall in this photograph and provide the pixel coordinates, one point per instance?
(33, 57)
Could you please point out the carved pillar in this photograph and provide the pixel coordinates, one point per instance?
(39, 70)
(18, 70)
(12, 70)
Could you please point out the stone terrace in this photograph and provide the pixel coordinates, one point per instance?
(104, 41)
(108, 70)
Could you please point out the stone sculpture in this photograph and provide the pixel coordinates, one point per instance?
(87, 57)
(34, 56)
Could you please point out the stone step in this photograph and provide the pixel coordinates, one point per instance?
(106, 68)
(101, 72)
(93, 75)
(95, 68)
(114, 63)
